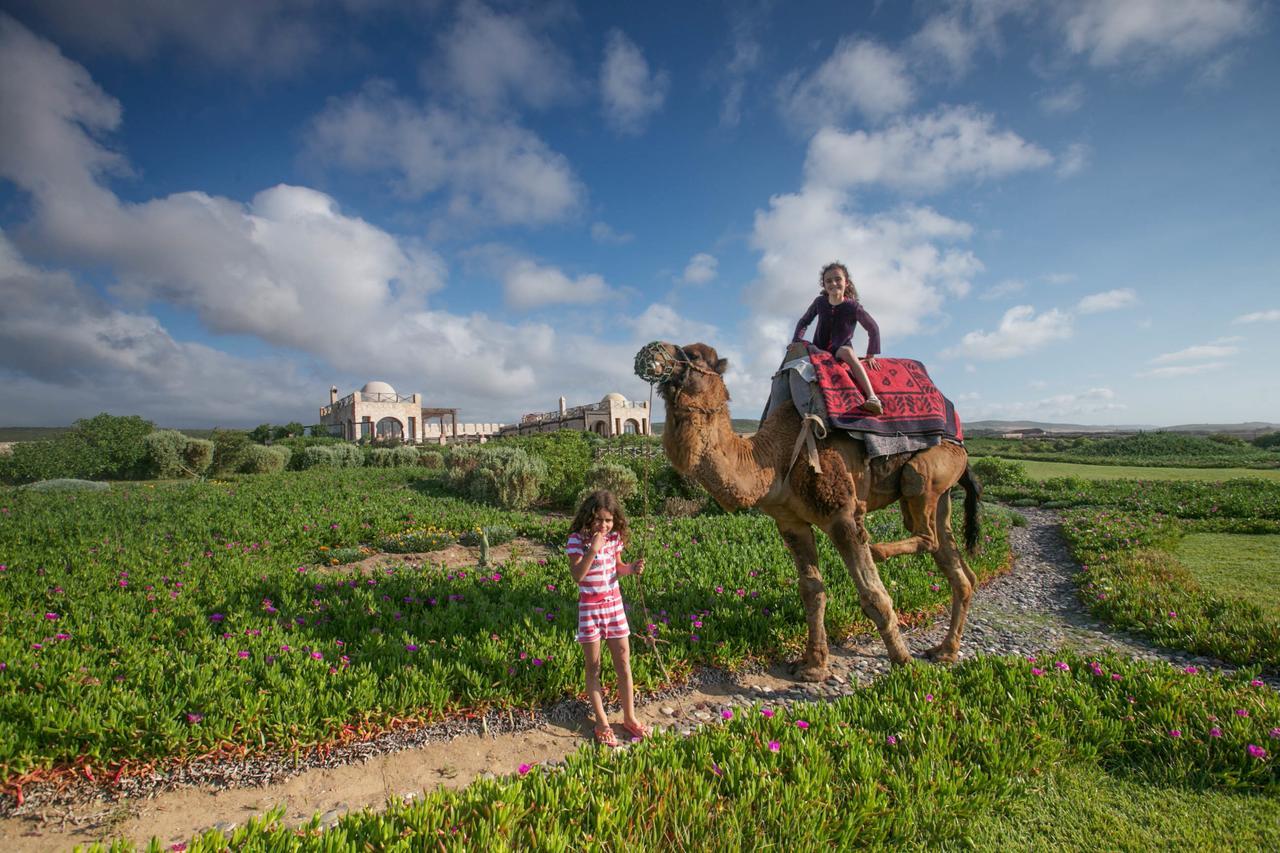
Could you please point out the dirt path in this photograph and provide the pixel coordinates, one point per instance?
(1032, 608)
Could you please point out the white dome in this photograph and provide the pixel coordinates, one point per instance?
(614, 397)
(377, 388)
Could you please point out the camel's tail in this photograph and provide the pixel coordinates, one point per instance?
(972, 494)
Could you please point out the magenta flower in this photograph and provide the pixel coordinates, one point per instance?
(1257, 751)
(1257, 682)
(1241, 712)
(194, 718)
(928, 697)
(892, 740)
(1215, 732)
(243, 653)
(1275, 733)
(317, 655)
(216, 617)
(1175, 732)
(726, 714)
(1031, 658)
(1190, 670)
(52, 617)
(1035, 670)
(774, 746)
(1115, 676)
(410, 647)
(1063, 665)
(766, 712)
(535, 661)
(801, 724)
(525, 768)
(1173, 614)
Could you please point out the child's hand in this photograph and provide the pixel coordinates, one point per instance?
(637, 568)
(597, 540)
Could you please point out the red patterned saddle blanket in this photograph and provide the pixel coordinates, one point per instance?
(913, 405)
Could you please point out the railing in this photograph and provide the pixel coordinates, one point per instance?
(543, 417)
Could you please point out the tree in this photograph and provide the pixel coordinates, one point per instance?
(261, 433)
(113, 446)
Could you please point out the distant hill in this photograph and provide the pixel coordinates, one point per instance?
(740, 425)
(1247, 429)
(44, 433)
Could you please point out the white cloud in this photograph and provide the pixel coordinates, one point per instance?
(1196, 353)
(1062, 101)
(946, 37)
(630, 92)
(604, 233)
(1074, 159)
(1181, 370)
(1059, 278)
(491, 169)
(1020, 332)
(1108, 300)
(1066, 406)
(1153, 32)
(489, 60)
(1271, 315)
(1008, 287)
(921, 154)
(700, 269)
(528, 285)
(262, 38)
(660, 322)
(859, 76)
(744, 57)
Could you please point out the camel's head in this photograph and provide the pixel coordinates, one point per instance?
(694, 370)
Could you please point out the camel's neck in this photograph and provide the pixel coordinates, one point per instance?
(704, 446)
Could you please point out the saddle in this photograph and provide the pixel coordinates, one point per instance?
(916, 414)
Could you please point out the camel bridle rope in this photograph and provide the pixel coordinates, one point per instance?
(656, 365)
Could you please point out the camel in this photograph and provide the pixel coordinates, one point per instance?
(758, 472)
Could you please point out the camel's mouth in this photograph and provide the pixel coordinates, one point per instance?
(655, 363)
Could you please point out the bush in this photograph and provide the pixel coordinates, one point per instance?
(346, 455)
(230, 449)
(1269, 441)
(104, 447)
(994, 471)
(264, 460)
(316, 457)
(432, 459)
(567, 454)
(165, 459)
(381, 457)
(613, 476)
(404, 456)
(506, 476)
(198, 454)
(681, 507)
(67, 484)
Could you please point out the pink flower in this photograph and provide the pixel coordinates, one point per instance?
(766, 712)
(1175, 732)
(1190, 670)
(1215, 732)
(1257, 751)
(525, 768)
(891, 740)
(1257, 682)
(242, 653)
(194, 718)
(52, 617)
(410, 647)
(1241, 712)
(216, 617)
(1031, 658)
(1115, 676)
(1173, 614)
(726, 714)
(801, 724)
(317, 655)
(1063, 665)
(774, 746)
(928, 697)
(1035, 670)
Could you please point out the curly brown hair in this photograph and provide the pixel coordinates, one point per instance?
(850, 292)
(601, 500)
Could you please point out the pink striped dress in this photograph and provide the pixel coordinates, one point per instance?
(600, 611)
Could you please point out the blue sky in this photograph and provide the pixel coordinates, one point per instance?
(211, 211)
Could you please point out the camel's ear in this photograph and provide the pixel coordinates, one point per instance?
(722, 365)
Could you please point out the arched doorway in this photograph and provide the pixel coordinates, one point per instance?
(631, 427)
(601, 428)
(390, 428)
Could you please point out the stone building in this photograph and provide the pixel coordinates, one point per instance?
(613, 415)
(376, 411)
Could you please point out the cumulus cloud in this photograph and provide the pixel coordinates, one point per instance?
(630, 92)
(528, 285)
(491, 60)
(1074, 159)
(1008, 287)
(1154, 32)
(1196, 353)
(744, 58)
(700, 269)
(605, 234)
(921, 154)
(1066, 406)
(1181, 370)
(262, 38)
(1108, 300)
(490, 168)
(1271, 315)
(860, 76)
(946, 37)
(1021, 331)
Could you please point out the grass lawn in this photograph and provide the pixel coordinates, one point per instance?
(1086, 808)
(1044, 470)
(1234, 566)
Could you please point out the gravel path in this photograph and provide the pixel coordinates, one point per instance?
(1032, 609)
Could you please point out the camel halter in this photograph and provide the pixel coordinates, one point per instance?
(655, 365)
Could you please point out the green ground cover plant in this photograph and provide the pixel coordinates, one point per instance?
(1166, 449)
(1242, 499)
(1132, 578)
(162, 621)
(1232, 565)
(925, 757)
(1040, 470)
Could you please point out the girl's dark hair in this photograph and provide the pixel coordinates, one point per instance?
(850, 292)
(604, 500)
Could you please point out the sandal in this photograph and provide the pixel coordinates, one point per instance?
(872, 405)
(605, 737)
(638, 732)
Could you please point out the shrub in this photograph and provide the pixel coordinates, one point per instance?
(404, 456)
(613, 476)
(567, 454)
(264, 460)
(432, 459)
(994, 471)
(346, 455)
(674, 507)
(506, 476)
(381, 457)
(165, 459)
(68, 484)
(1269, 441)
(230, 449)
(197, 455)
(105, 447)
(316, 457)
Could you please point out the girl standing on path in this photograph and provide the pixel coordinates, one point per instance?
(599, 533)
(838, 310)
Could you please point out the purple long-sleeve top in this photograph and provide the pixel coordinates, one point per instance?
(836, 324)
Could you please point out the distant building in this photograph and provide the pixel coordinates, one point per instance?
(613, 415)
(376, 411)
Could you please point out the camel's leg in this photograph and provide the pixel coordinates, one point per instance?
(849, 533)
(798, 537)
(919, 499)
(961, 578)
